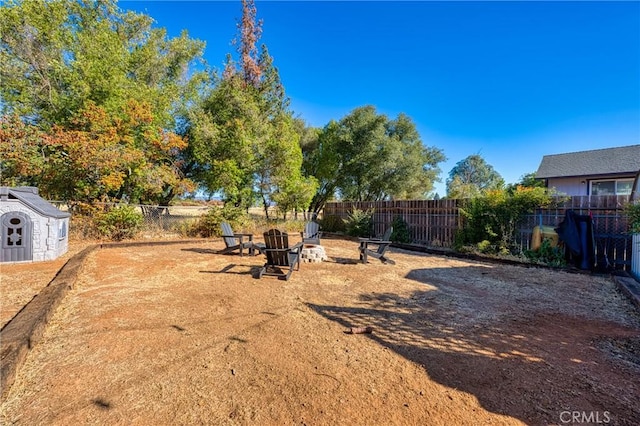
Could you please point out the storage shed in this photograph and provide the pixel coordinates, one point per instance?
(32, 228)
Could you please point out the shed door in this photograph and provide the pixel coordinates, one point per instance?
(17, 235)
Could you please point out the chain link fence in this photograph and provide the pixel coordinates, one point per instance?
(175, 221)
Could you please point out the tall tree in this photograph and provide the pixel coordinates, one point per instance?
(322, 161)
(471, 177)
(65, 61)
(222, 133)
(249, 31)
(243, 140)
(416, 168)
(367, 157)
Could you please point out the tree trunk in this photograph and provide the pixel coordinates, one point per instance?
(265, 204)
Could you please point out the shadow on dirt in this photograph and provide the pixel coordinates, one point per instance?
(235, 269)
(527, 361)
(201, 250)
(343, 260)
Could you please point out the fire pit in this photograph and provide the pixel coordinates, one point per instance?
(313, 253)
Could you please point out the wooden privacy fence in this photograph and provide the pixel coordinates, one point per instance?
(434, 223)
(431, 222)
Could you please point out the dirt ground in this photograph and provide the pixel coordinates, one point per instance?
(180, 335)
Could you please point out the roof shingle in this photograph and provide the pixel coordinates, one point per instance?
(625, 159)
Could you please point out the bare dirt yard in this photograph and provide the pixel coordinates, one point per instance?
(180, 335)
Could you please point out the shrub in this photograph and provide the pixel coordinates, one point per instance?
(492, 219)
(633, 213)
(400, 230)
(332, 223)
(546, 254)
(208, 225)
(359, 223)
(119, 223)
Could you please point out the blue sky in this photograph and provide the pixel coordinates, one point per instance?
(511, 81)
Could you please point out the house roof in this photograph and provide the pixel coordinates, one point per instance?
(609, 161)
(28, 195)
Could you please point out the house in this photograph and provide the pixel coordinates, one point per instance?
(609, 171)
(31, 228)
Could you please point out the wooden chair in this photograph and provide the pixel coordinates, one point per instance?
(234, 241)
(281, 259)
(311, 233)
(381, 244)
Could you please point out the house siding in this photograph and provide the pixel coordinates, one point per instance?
(569, 186)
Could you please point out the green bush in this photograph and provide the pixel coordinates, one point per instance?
(119, 223)
(332, 223)
(492, 219)
(208, 225)
(546, 254)
(633, 213)
(359, 223)
(400, 231)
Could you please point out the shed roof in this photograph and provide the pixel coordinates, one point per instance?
(608, 161)
(29, 196)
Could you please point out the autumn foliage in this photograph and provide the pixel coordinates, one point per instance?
(97, 157)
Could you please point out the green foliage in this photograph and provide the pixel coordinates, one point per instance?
(633, 214)
(332, 223)
(400, 230)
(368, 157)
(101, 158)
(547, 254)
(243, 139)
(359, 223)
(223, 132)
(486, 247)
(208, 225)
(494, 217)
(278, 169)
(21, 159)
(472, 177)
(527, 180)
(295, 194)
(105, 90)
(119, 223)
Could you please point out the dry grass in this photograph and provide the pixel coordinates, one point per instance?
(180, 335)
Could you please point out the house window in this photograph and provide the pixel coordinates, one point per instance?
(611, 187)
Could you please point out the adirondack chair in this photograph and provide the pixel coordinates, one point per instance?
(234, 241)
(311, 233)
(281, 259)
(381, 245)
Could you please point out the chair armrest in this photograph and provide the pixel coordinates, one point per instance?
(297, 246)
(241, 236)
(366, 242)
(277, 250)
(259, 246)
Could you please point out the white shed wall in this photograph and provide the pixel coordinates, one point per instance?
(46, 241)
